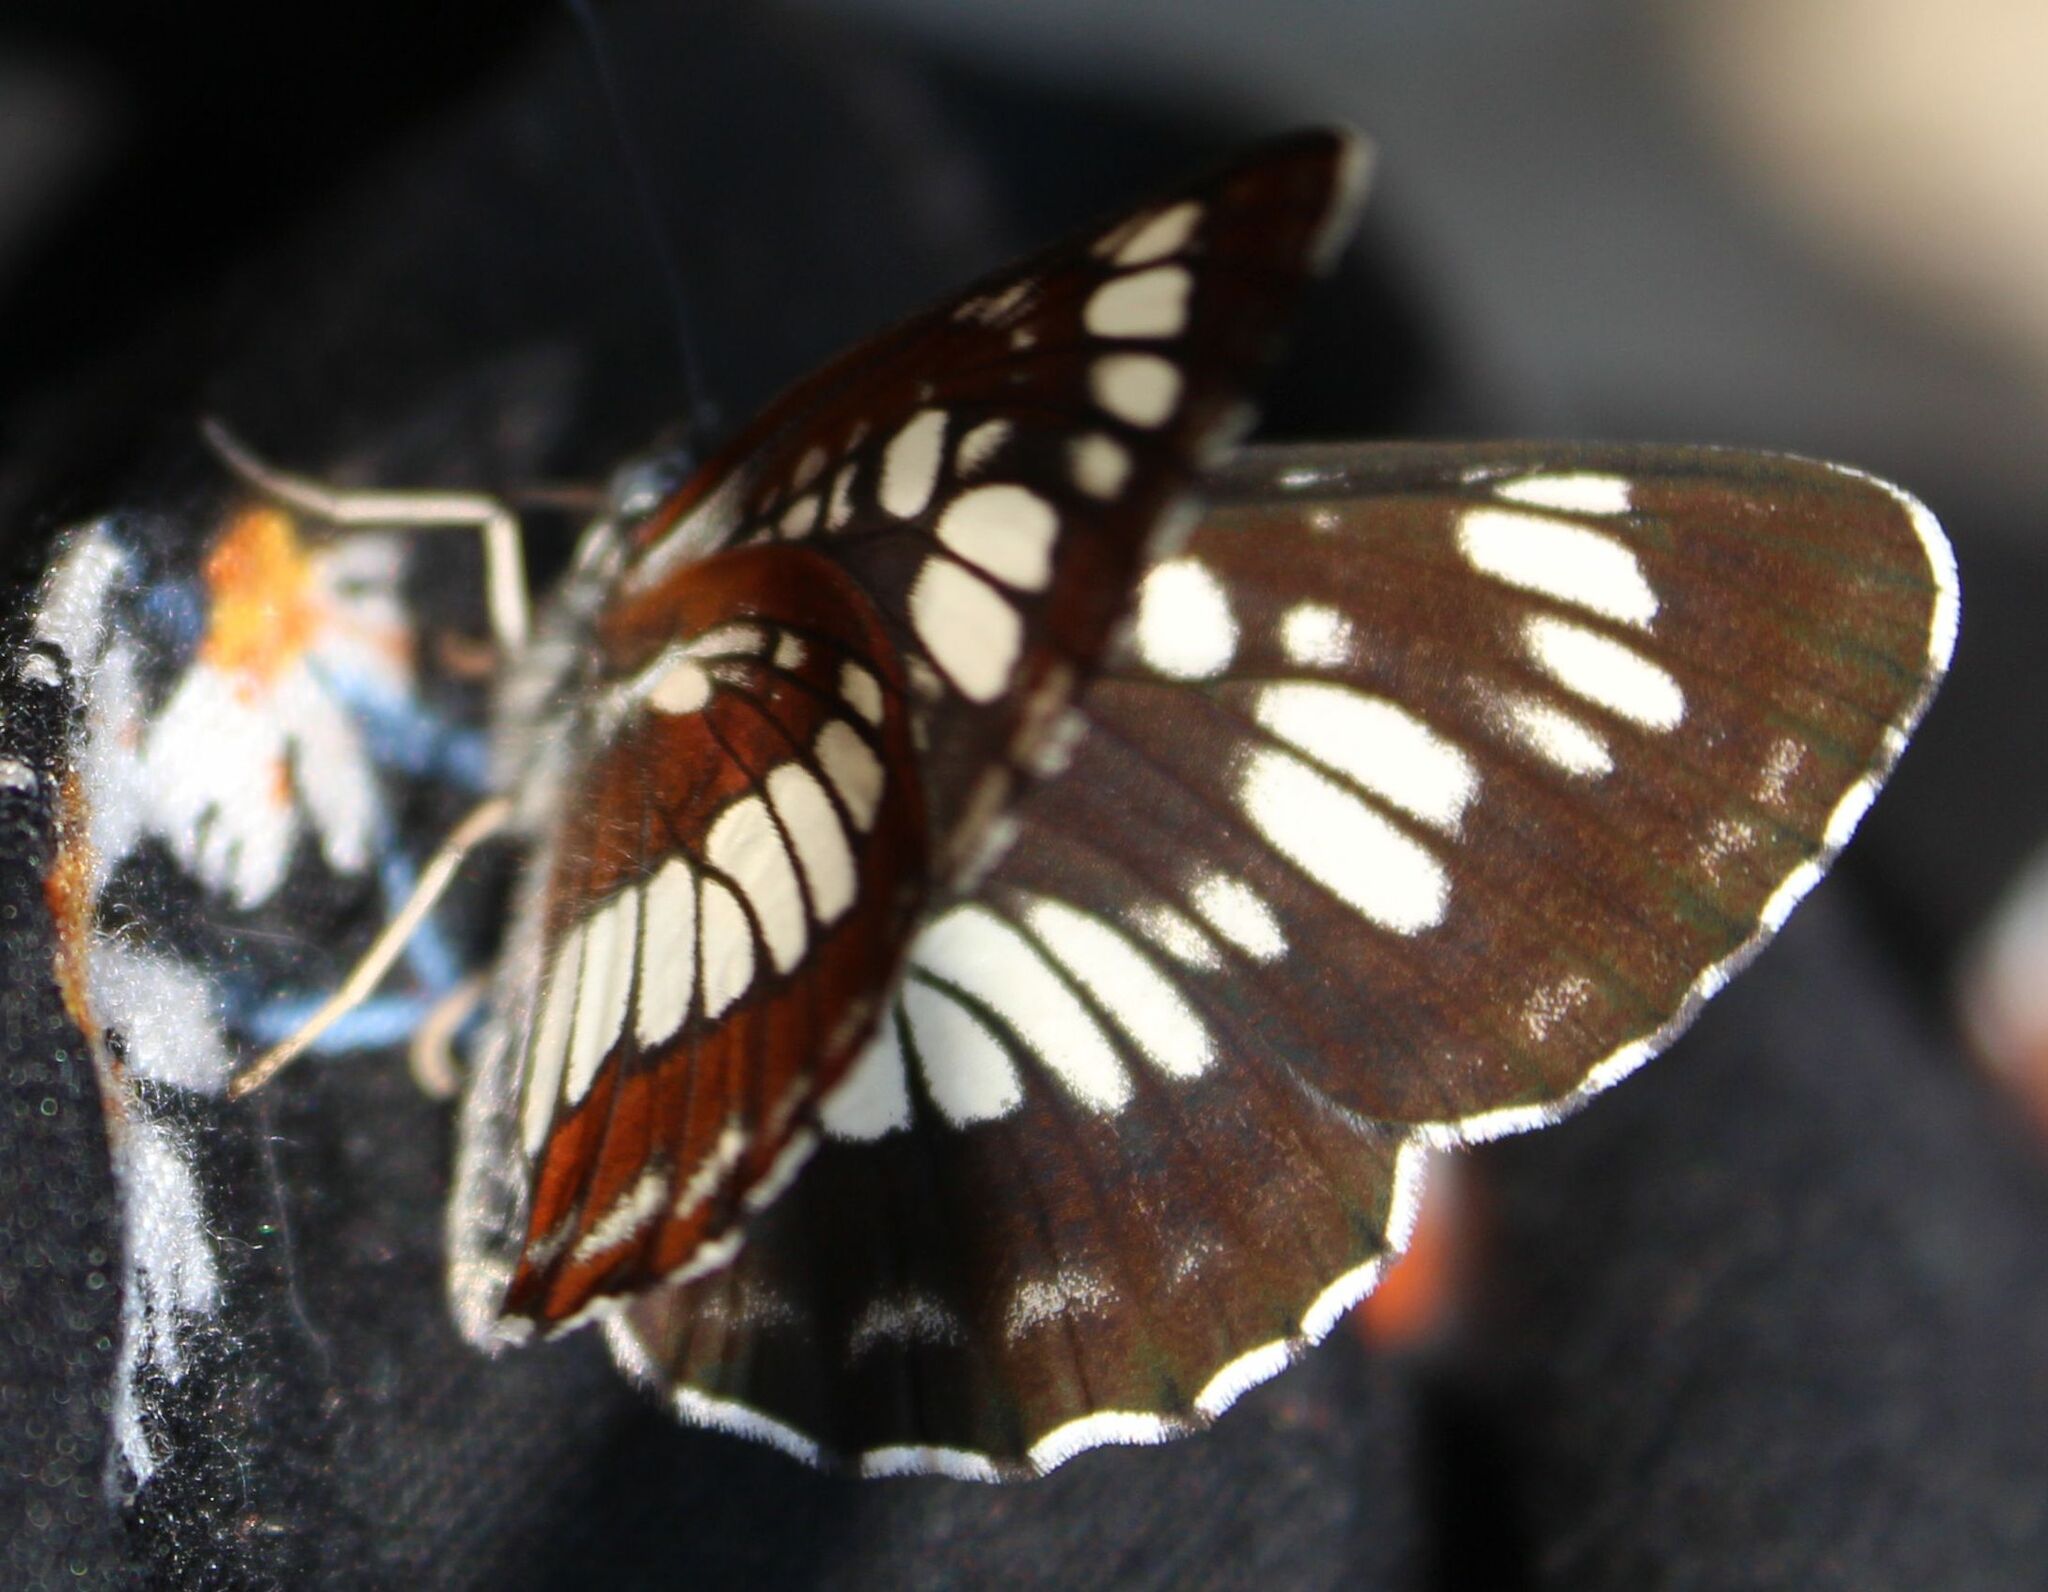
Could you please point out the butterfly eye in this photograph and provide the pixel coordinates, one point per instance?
(642, 485)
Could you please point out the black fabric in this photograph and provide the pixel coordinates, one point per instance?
(1795, 1341)
(59, 1233)
(1770, 1314)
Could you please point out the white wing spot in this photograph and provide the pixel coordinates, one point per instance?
(800, 518)
(969, 628)
(790, 653)
(710, 1257)
(980, 445)
(1156, 237)
(997, 308)
(853, 769)
(1558, 738)
(839, 508)
(1727, 839)
(1148, 303)
(1792, 889)
(1141, 389)
(729, 641)
(822, 850)
(1007, 531)
(713, 1170)
(1604, 672)
(1179, 937)
(808, 468)
(1071, 1291)
(1570, 492)
(1240, 1376)
(1317, 636)
(1185, 629)
(975, 950)
(1781, 766)
(1849, 812)
(1553, 1004)
(1342, 844)
(791, 1159)
(638, 1206)
(861, 691)
(668, 953)
(1128, 1428)
(1147, 1005)
(873, 1099)
(966, 1069)
(1383, 748)
(1573, 563)
(683, 688)
(1056, 744)
(926, 684)
(550, 1049)
(605, 983)
(1240, 914)
(727, 952)
(747, 848)
(910, 464)
(911, 1316)
(1099, 464)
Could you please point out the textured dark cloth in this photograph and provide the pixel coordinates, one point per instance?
(1771, 1314)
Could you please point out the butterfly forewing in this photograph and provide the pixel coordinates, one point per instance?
(1430, 790)
(993, 471)
(817, 669)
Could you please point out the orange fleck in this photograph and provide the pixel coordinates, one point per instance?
(262, 615)
(1415, 1299)
(67, 891)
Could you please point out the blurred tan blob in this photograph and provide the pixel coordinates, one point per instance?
(2003, 992)
(1909, 140)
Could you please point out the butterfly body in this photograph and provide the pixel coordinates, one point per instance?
(993, 947)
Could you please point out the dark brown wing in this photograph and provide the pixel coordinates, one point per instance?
(1433, 790)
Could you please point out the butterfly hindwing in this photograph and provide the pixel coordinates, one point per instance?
(954, 512)
(1430, 790)
(711, 921)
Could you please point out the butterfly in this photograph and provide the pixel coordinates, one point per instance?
(996, 943)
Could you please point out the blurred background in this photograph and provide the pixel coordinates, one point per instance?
(1808, 225)
(1813, 225)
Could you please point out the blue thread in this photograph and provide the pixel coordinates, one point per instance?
(172, 614)
(403, 733)
(378, 1023)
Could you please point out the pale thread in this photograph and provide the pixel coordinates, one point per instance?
(504, 559)
(484, 822)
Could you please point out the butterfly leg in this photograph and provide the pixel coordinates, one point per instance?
(484, 821)
(432, 1052)
(504, 562)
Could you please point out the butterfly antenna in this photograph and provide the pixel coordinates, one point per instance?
(703, 414)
